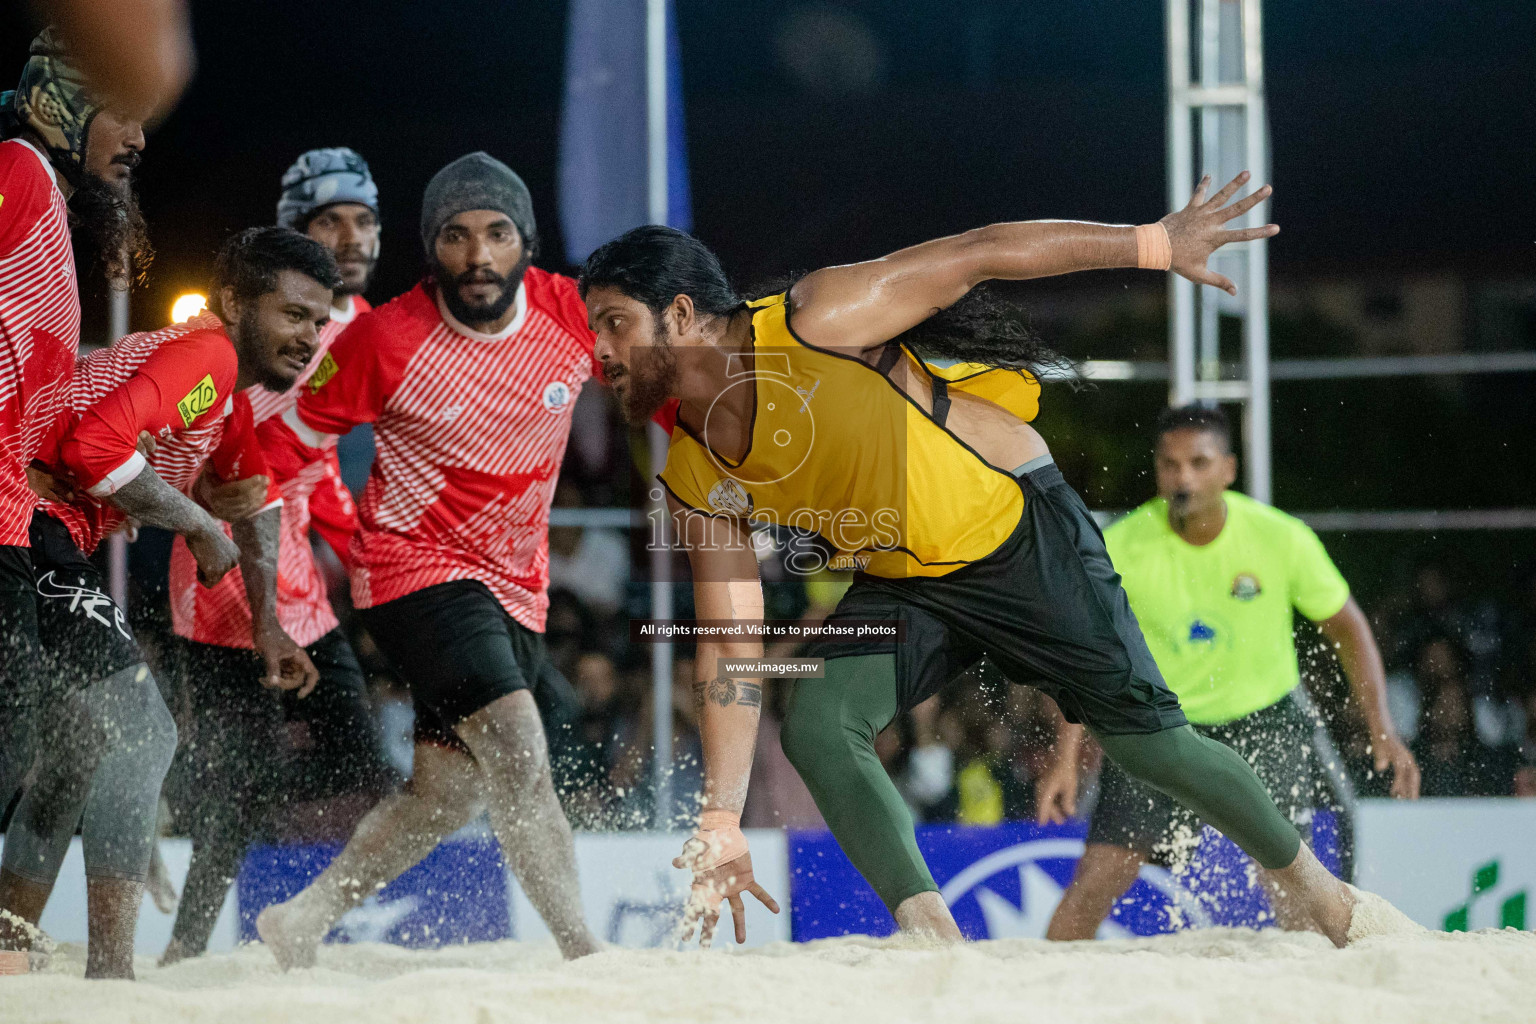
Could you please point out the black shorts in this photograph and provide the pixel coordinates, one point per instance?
(310, 748)
(1046, 608)
(1278, 741)
(84, 634)
(20, 647)
(458, 651)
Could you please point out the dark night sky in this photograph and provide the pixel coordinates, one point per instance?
(1404, 136)
(1404, 132)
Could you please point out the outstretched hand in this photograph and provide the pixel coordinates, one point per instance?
(1196, 231)
(715, 882)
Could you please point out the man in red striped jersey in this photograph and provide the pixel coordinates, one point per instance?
(60, 148)
(244, 762)
(469, 380)
(104, 735)
(63, 153)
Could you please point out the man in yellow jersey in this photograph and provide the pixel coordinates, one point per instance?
(1213, 577)
(882, 406)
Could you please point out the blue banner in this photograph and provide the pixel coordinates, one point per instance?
(603, 174)
(457, 894)
(1004, 881)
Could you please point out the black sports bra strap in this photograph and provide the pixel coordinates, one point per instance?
(888, 357)
(940, 400)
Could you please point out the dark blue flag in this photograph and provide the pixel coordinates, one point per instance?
(603, 165)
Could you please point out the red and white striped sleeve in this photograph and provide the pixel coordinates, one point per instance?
(26, 194)
(364, 366)
(239, 455)
(184, 383)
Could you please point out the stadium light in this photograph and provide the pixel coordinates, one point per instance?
(187, 306)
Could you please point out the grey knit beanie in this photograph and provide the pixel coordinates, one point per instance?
(475, 182)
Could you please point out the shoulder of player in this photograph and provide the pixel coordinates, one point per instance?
(1261, 516)
(1141, 523)
(396, 328)
(209, 348)
(408, 317)
(22, 172)
(691, 477)
(557, 296)
(26, 190)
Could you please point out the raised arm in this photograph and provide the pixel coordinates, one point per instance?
(862, 305)
(726, 588)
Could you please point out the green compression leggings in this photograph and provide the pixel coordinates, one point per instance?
(829, 736)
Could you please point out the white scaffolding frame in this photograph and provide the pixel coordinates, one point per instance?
(661, 555)
(1225, 88)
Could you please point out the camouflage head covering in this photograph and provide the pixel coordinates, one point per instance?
(324, 177)
(52, 100)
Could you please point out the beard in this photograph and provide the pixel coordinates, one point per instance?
(254, 346)
(369, 263)
(109, 214)
(471, 313)
(651, 378)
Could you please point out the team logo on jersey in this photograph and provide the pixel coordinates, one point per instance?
(1201, 633)
(1246, 587)
(557, 395)
(729, 498)
(198, 401)
(323, 373)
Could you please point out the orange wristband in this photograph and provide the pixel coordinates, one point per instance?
(719, 819)
(1154, 250)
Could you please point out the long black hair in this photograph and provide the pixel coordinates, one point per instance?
(655, 264)
(988, 328)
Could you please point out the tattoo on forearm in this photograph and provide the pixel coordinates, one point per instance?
(258, 538)
(725, 692)
(721, 691)
(154, 502)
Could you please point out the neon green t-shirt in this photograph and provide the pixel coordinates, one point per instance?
(1218, 618)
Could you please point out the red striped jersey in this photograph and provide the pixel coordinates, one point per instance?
(221, 614)
(469, 431)
(177, 383)
(39, 322)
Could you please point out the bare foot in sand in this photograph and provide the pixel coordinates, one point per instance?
(291, 933)
(1373, 916)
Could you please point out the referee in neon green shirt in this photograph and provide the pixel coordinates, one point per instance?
(1213, 577)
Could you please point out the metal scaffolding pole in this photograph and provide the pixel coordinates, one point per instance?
(1225, 87)
(117, 544)
(661, 555)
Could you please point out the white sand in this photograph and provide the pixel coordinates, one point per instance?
(1215, 975)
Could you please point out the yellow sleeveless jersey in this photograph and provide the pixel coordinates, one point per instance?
(838, 449)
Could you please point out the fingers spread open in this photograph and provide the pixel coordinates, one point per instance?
(1228, 190)
(763, 897)
(1249, 234)
(1199, 197)
(1246, 203)
(739, 918)
(1215, 280)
